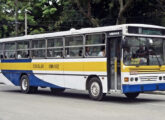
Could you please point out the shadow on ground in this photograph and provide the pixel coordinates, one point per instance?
(74, 94)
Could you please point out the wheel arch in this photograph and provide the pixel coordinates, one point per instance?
(89, 78)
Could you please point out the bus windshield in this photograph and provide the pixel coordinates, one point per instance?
(144, 51)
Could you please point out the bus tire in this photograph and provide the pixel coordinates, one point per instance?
(57, 90)
(25, 86)
(132, 95)
(95, 89)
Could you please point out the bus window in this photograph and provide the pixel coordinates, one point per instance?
(38, 48)
(23, 54)
(74, 46)
(74, 41)
(10, 54)
(74, 52)
(95, 45)
(56, 52)
(55, 47)
(38, 53)
(163, 50)
(98, 51)
(55, 42)
(10, 46)
(23, 49)
(1, 51)
(95, 39)
(1, 55)
(10, 50)
(38, 44)
(1, 47)
(23, 45)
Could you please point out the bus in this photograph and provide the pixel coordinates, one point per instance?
(127, 59)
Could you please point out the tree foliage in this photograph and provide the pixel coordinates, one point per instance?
(57, 15)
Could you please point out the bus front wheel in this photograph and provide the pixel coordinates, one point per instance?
(25, 86)
(132, 95)
(95, 89)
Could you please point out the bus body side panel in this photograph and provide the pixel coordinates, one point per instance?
(76, 72)
(98, 67)
(3, 79)
(15, 75)
(12, 73)
(68, 73)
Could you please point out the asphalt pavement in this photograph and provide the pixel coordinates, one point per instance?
(76, 105)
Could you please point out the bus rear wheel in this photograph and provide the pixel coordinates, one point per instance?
(25, 86)
(57, 90)
(95, 89)
(132, 95)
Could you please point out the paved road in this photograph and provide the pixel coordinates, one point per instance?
(75, 105)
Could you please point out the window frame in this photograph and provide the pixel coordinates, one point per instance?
(29, 49)
(51, 48)
(4, 50)
(93, 45)
(74, 46)
(33, 49)
(63, 47)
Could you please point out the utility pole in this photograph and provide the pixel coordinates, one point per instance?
(25, 22)
(26, 26)
(16, 17)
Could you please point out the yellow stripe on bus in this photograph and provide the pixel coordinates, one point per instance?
(57, 66)
(76, 66)
(152, 68)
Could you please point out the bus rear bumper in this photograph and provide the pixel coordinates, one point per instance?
(143, 87)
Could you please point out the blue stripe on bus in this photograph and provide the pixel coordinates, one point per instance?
(14, 77)
(16, 61)
(143, 87)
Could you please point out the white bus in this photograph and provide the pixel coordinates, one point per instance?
(128, 59)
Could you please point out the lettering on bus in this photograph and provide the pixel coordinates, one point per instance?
(38, 65)
(54, 66)
(114, 33)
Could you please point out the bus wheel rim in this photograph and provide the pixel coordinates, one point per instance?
(24, 84)
(95, 89)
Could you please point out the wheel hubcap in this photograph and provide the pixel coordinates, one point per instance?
(95, 89)
(24, 84)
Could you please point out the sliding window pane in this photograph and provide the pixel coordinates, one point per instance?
(74, 41)
(95, 51)
(38, 44)
(23, 54)
(38, 53)
(23, 45)
(10, 46)
(10, 54)
(1, 55)
(74, 52)
(1, 47)
(57, 53)
(95, 39)
(55, 42)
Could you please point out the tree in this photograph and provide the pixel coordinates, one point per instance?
(123, 8)
(58, 15)
(85, 8)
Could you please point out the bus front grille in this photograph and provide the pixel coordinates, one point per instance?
(148, 78)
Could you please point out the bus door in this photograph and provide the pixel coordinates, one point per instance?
(113, 63)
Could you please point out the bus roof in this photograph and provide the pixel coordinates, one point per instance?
(79, 31)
